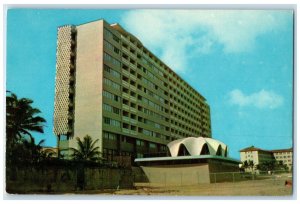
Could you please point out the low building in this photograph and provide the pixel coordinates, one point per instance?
(192, 161)
(256, 155)
(285, 156)
(259, 156)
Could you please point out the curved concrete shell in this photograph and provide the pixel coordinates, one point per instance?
(198, 146)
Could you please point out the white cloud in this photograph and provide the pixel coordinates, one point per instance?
(181, 34)
(261, 99)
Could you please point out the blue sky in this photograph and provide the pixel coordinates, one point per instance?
(240, 61)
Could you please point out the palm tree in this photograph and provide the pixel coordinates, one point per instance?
(34, 151)
(87, 150)
(21, 119)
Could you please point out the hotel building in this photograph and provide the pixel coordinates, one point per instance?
(111, 87)
(259, 156)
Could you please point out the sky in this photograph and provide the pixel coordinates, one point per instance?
(241, 61)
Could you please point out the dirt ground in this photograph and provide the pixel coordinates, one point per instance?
(275, 186)
(266, 187)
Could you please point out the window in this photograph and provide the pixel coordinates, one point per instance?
(109, 34)
(112, 84)
(140, 143)
(139, 155)
(110, 136)
(152, 145)
(112, 60)
(116, 39)
(116, 110)
(112, 72)
(111, 47)
(106, 120)
(112, 122)
(111, 109)
(147, 132)
(111, 96)
(107, 107)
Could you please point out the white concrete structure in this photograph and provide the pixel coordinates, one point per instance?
(195, 146)
(193, 161)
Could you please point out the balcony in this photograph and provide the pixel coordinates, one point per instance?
(126, 61)
(126, 73)
(125, 95)
(133, 121)
(132, 87)
(126, 118)
(133, 98)
(126, 107)
(133, 77)
(125, 39)
(125, 130)
(129, 120)
(125, 83)
(133, 66)
(133, 110)
(125, 50)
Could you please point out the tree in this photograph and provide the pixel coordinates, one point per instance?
(34, 151)
(251, 165)
(27, 153)
(21, 119)
(245, 164)
(87, 150)
(266, 166)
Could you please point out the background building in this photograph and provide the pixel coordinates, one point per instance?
(285, 156)
(109, 86)
(259, 156)
(256, 155)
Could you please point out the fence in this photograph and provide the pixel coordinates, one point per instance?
(198, 178)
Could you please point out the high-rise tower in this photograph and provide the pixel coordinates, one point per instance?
(111, 87)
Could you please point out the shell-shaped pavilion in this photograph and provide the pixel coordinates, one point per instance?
(195, 146)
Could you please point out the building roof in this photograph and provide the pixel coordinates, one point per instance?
(196, 145)
(180, 158)
(252, 148)
(282, 150)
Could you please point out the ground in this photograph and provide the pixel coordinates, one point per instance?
(273, 185)
(266, 187)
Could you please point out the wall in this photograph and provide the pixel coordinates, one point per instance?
(89, 75)
(61, 180)
(177, 175)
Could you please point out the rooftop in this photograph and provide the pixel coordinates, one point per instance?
(185, 158)
(252, 148)
(282, 150)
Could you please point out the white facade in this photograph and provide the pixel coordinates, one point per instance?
(259, 156)
(197, 146)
